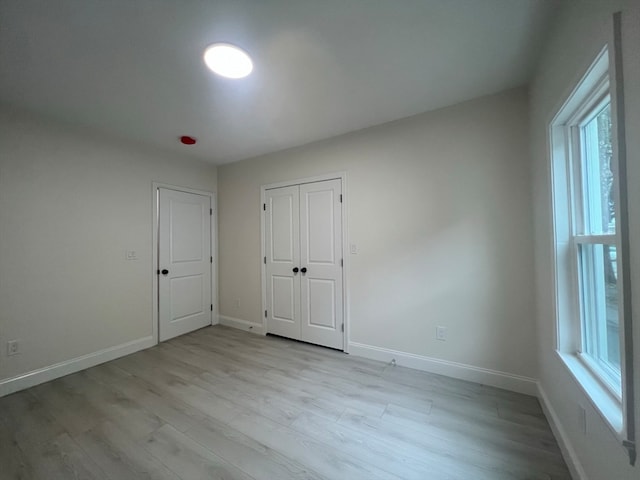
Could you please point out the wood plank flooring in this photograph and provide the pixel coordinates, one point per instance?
(224, 404)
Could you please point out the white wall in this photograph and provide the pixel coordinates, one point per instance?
(581, 30)
(71, 205)
(439, 207)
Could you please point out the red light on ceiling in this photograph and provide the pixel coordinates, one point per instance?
(187, 140)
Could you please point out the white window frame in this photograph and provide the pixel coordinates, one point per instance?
(591, 92)
(585, 111)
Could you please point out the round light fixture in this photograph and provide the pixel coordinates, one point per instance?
(228, 60)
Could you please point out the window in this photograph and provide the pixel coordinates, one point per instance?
(587, 241)
(594, 241)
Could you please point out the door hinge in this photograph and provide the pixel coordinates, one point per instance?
(264, 207)
(211, 211)
(343, 327)
(342, 262)
(212, 307)
(265, 314)
(340, 198)
(210, 259)
(265, 260)
(158, 272)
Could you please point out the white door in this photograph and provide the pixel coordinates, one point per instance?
(321, 255)
(283, 261)
(303, 245)
(184, 257)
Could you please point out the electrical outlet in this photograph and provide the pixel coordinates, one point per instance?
(131, 255)
(13, 347)
(353, 248)
(441, 333)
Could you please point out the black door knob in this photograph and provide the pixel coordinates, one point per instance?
(295, 269)
(303, 269)
(165, 271)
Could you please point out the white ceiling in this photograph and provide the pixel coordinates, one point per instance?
(134, 68)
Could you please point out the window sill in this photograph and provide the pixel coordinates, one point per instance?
(602, 399)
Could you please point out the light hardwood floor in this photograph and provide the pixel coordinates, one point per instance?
(224, 404)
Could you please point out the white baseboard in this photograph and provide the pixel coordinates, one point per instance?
(240, 324)
(485, 376)
(45, 374)
(569, 454)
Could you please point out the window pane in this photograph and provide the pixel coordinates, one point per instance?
(597, 177)
(599, 294)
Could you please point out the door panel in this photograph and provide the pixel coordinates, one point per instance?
(186, 296)
(322, 299)
(320, 226)
(186, 232)
(283, 254)
(321, 319)
(283, 219)
(283, 294)
(184, 243)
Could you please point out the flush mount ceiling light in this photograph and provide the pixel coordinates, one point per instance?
(228, 60)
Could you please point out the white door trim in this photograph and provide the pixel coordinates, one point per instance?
(214, 251)
(345, 237)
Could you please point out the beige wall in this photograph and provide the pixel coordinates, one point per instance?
(439, 207)
(581, 30)
(71, 205)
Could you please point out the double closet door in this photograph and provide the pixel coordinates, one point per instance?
(303, 247)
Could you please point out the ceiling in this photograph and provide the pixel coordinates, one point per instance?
(134, 68)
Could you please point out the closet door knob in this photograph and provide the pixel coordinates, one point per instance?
(295, 269)
(165, 271)
(303, 269)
